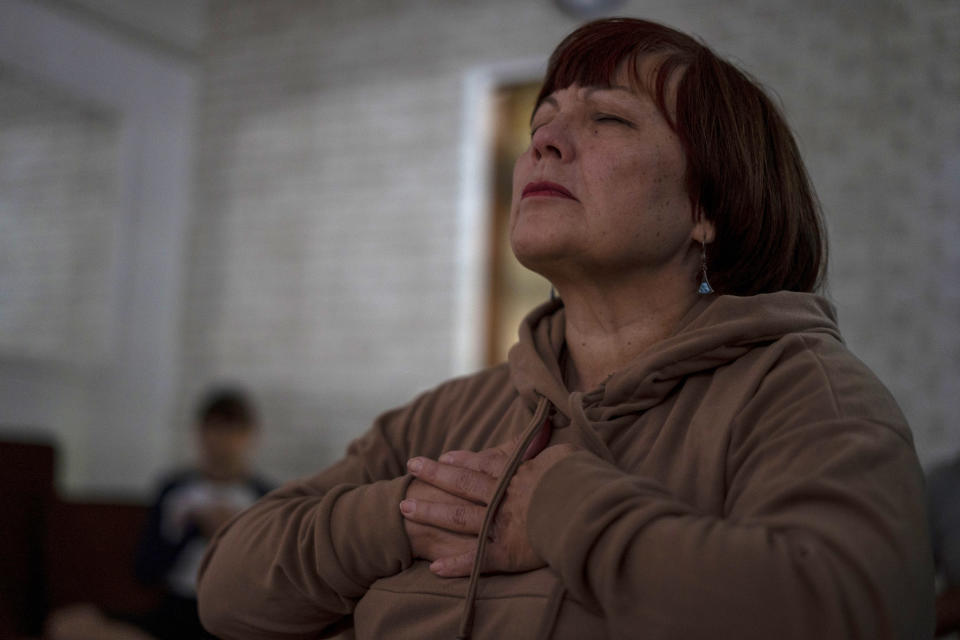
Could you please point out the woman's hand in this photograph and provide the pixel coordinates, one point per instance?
(472, 477)
(433, 541)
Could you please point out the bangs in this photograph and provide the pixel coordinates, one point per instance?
(598, 56)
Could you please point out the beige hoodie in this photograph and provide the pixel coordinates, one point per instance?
(745, 478)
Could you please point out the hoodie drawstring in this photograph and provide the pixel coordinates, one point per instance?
(469, 605)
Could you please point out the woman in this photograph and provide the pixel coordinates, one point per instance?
(680, 446)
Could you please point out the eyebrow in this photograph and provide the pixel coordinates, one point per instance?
(590, 91)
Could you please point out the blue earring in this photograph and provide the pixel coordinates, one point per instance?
(704, 287)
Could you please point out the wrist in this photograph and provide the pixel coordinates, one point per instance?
(378, 550)
(567, 483)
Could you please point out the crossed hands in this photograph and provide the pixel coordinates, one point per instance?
(446, 502)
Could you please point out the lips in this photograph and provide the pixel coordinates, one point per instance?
(546, 189)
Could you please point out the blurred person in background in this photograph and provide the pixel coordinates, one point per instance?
(190, 506)
(679, 446)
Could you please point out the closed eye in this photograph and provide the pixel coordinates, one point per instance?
(604, 117)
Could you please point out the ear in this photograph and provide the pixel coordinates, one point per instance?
(703, 230)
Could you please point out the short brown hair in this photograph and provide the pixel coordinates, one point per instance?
(744, 171)
(226, 406)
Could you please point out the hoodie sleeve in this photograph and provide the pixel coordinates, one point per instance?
(823, 533)
(296, 562)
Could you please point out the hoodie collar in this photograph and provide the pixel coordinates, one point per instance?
(716, 331)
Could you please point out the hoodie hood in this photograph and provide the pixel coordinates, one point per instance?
(716, 331)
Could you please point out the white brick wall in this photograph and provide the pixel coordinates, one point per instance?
(324, 254)
(58, 210)
(94, 200)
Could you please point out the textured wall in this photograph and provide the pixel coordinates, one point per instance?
(58, 208)
(96, 164)
(325, 247)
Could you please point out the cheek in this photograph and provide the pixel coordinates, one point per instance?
(520, 172)
(654, 178)
(670, 164)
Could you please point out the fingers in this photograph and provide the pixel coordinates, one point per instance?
(496, 561)
(489, 461)
(461, 518)
(457, 566)
(492, 461)
(420, 490)
(473, 485)
(431, 543)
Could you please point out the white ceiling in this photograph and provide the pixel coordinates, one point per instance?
(180, 24)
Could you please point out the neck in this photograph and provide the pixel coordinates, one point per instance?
(606, 328)
(220, 474)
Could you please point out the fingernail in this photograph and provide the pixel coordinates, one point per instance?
(407, 506)
(415, 464)
(436, 565)
(445, 458)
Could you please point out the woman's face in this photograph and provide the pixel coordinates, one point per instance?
(600, 192)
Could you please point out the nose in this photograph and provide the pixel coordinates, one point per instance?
(552, 140)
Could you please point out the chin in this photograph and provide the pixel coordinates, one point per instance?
(539, 257)
(540, 241)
